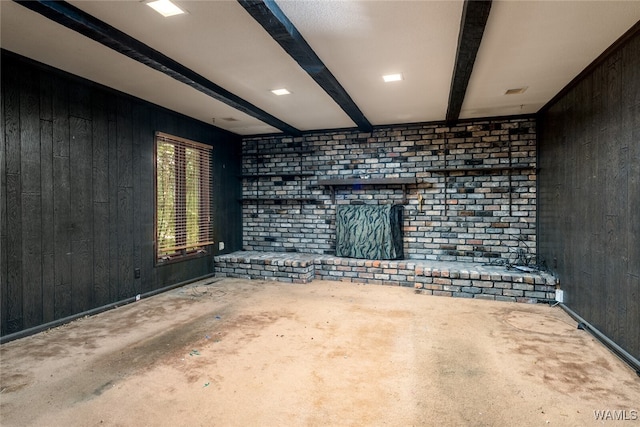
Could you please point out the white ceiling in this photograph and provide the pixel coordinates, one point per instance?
(540, 45)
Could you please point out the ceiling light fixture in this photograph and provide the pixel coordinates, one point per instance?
(280, 92)
(165, 8)
(392, 77)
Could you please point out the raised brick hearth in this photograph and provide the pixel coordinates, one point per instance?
(445, 278)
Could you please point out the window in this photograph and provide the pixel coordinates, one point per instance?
(183, 197)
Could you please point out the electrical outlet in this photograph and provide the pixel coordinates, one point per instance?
(136, 273)
(221, 246)
(559, 295)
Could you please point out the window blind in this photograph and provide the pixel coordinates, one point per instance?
(183, 196)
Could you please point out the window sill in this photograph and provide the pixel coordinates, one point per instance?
(160, 262)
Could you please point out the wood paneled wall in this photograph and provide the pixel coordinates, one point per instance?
(589, 195)
(77, 195)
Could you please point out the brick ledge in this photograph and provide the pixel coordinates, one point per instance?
(445, 278)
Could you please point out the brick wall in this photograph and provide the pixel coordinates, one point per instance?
(465, 215)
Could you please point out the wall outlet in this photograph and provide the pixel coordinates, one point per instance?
(559, 295)
(221, 246)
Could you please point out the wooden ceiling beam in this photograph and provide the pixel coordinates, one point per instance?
(474, 20)
(281, 29)
(77, 20)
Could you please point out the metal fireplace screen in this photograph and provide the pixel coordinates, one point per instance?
(369, 231)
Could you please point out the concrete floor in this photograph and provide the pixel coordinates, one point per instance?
(237, 352)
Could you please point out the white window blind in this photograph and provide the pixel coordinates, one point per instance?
(183, 196)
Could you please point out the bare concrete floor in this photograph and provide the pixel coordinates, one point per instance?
(253, 353)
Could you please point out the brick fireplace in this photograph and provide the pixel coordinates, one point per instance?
(469, 191)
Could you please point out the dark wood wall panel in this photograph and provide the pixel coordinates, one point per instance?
(3, 207)
(32, 250)
(77, 195)
(224, 177)
(125, 243)
(12, 299)
(30, 195)
(46, 162)
(145, 229)
(100, 192)
(112, 224)
(589, 194)
(137, 207)
(631, 99)
(124, 153)
(81, 213)
(61, 198)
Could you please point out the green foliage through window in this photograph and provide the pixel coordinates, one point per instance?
(183, 197)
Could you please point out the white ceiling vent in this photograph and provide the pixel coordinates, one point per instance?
(516, 91)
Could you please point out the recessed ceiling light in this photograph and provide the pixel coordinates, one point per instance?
(515, 91)
(165, 8)
(392, 77)
(280, 92)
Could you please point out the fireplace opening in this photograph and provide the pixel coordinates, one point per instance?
(369, 231)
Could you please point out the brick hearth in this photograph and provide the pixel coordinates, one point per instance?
(444, 278)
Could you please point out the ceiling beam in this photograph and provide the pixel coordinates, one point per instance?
(474, 20)
(275, 22)
(75, 19)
